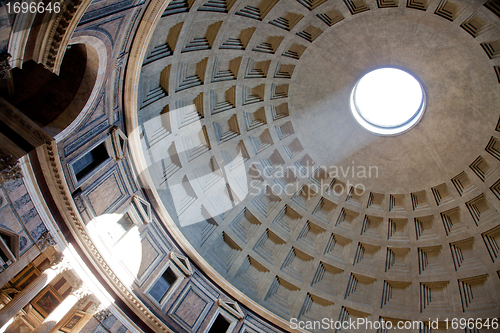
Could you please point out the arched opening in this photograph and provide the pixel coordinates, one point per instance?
(54, 101)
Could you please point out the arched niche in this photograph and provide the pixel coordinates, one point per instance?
(60, 103)
(90, 85)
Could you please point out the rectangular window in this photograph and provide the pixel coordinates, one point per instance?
(120, 228)
(3, 256)
(220, 325)
(88, 162)
(7, 240)
(163, 285)
(9, 247)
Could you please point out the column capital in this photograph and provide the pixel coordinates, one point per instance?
(94, 308)
(59, 263)
(9, 166)
(45, 241)
(102, 313)
(81, 291)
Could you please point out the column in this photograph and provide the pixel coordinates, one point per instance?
(27, 294)
(79, 293)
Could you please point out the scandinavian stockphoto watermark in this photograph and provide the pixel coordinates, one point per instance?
(357, 324)
(288, 180)
(363, 324)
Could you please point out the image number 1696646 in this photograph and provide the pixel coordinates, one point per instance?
(32, 7)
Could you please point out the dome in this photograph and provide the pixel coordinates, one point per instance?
(250, 166)
(279, 176)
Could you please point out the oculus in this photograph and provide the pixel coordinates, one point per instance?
(387, 101)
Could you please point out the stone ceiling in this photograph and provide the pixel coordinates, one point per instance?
(244, 102)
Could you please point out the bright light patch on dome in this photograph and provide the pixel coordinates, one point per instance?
(388, 101)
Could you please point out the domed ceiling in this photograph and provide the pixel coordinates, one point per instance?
(252, 147)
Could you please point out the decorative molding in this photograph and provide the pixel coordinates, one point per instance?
(143, 209)
(118, 143)
(231, 307)
(93, 132)
(23, 125)
(55, 33)
(182, 262)
(101, 313)
(9, 167)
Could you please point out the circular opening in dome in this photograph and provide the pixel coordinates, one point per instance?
(388, 101)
